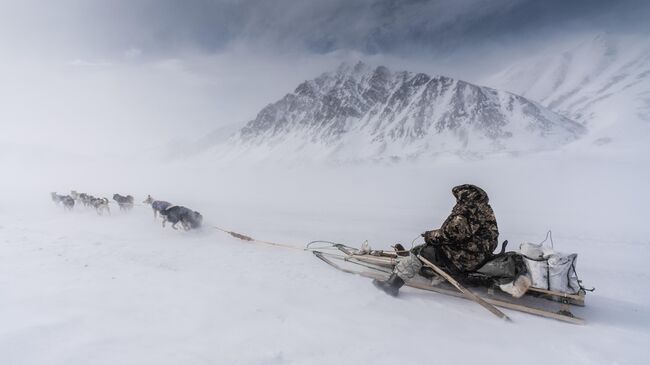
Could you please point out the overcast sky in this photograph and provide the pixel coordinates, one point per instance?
(166, 27)
(144, 71)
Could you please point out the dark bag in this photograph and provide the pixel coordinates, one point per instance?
(504, 268)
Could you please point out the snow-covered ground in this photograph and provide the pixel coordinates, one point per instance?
(77, 288)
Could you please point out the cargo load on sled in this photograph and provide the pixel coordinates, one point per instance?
(556, 291)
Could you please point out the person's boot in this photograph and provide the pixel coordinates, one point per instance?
(391, 285)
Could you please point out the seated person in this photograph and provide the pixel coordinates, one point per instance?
(463, 244)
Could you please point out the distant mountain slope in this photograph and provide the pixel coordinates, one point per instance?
(601, 81)
(360, 113)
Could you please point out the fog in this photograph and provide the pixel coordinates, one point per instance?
(118, 97)
(136, 78)
(115, 98)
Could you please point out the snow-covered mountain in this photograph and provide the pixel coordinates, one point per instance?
(362, 113)
(601, 81)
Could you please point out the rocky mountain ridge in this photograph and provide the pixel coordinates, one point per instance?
(359, 112)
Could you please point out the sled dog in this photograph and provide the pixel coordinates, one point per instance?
(125, 202)
(100, 205)
(188, 218)
(156, 205)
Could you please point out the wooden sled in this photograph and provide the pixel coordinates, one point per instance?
(379, 265)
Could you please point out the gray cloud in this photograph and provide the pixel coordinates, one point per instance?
(317, 26)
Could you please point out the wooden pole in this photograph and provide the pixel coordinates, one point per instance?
(464, 290)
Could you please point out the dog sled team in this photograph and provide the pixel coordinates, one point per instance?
(174, 214)
(462, 250)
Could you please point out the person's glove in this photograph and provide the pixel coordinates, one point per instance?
(431, 237)
(427, 237)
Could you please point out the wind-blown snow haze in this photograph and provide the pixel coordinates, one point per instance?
(295, 121)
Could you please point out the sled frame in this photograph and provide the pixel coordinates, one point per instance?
(382, 271)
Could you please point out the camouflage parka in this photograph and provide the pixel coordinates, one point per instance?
(469, 235)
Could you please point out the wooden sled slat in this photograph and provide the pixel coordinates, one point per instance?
(574, 299)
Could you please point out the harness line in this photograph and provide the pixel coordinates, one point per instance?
(251, 239)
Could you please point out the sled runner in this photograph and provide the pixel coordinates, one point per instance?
(379, 265)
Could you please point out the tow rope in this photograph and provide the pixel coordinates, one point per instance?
(244, 237)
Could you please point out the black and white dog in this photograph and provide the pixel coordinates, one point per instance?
(68, 202)
(188, 218)
(125, 202)
(100, 205)
(86, 199)
(65, 200)
(156, 205)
